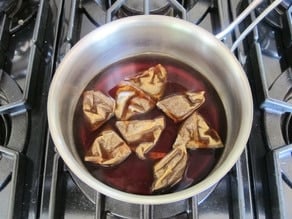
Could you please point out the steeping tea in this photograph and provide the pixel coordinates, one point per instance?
(135, 173)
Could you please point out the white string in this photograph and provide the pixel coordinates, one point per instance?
(254, 23)
(242, 15)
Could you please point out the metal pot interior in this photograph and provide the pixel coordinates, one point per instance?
(158, 35)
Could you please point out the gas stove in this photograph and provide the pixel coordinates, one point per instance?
(35, 35)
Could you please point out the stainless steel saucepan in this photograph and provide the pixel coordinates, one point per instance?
(151, 34)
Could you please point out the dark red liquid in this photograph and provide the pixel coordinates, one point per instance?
(135, 175)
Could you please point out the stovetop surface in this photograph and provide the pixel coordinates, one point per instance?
(35, 182)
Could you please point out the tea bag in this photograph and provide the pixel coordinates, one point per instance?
(180, 106)
(108, 149)
(143, 133)
(97, 108)
(196, 133)
(131, 101)
(152, 81)
(170, 169)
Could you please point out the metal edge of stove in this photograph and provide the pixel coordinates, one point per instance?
(276, 182)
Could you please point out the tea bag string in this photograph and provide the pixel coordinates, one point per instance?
(243, 15)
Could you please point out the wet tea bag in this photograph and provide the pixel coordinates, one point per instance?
(108, 149)
(170, 169)
(180, 106)
(131, 101)
(97, 108)
(152, 81)
(143, 133)
(195, 133)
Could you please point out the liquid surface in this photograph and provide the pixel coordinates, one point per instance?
(135, 175)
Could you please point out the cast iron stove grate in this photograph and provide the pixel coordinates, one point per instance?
(34, 181)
